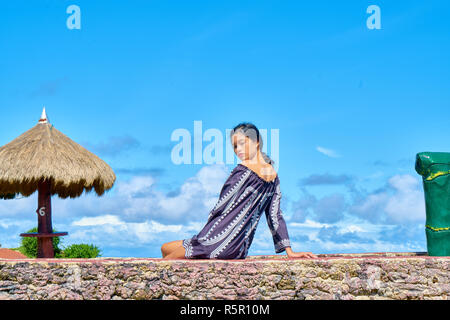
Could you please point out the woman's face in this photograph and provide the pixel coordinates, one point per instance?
(244, 147)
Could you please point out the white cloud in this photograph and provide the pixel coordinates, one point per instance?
(328, 152)
(375, 175)
(310, 224)
(135, 186)
(110, 231)
(371, 207)
(197, 195)
(139, 214)
(8, 223)
(408, 202)
(140, 199)
(357, 247)
(19, 206)
(401, 202)
(135, 212)
(97, 221)
(351, 228)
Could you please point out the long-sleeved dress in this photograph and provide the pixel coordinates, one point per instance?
(232, 222)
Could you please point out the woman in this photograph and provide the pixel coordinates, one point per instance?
(252, 187)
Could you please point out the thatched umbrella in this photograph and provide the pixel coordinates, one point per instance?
(46, 160)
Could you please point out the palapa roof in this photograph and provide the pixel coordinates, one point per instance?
(44, 153)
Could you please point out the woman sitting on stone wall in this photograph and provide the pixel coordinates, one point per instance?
(252, 187)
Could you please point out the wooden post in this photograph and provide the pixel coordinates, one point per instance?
(44, 212)
(45, 233)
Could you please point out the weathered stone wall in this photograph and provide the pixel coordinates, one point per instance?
(369, 276)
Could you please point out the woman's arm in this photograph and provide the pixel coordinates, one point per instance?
(278, 227)
(276, 223)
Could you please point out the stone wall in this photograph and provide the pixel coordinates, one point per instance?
(360, 276)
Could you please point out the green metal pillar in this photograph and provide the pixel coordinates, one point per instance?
(434, 167)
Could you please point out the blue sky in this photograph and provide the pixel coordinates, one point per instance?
(352, 105)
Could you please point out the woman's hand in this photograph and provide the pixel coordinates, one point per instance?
(292, 254)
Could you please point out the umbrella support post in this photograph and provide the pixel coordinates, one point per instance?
(44, 212)
(45, 248)
(45, 232)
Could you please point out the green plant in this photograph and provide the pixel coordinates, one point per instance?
(29, 245)
(81, 251)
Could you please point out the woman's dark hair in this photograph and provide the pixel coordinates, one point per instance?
(250, 130)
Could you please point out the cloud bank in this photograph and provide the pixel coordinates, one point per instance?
(136, 217)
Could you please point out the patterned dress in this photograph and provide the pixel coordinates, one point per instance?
(232, 222)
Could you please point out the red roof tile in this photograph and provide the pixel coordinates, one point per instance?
(11, 254)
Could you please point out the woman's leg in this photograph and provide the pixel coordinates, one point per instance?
(178, 253)
(169, 247)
